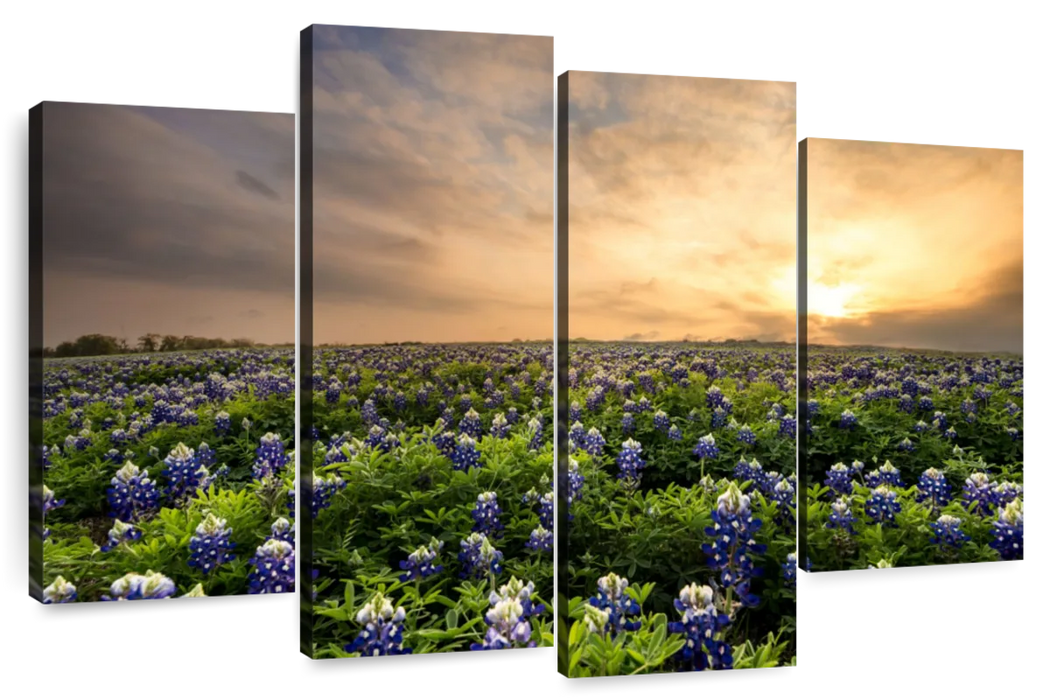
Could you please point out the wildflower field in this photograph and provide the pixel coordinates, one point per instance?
(913, 458)
(679, 545)
(165, 475)
(431, 498)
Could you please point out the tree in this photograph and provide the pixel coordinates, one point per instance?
(148, 342)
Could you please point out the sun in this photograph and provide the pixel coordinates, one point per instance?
(835, 302)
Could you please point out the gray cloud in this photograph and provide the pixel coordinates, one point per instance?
(992, 322)
(253, 184)
(128, 196)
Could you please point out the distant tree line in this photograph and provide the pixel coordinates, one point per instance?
(99, 344)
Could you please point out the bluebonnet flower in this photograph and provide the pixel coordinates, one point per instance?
(49, 504)
(906, 404)
(979, 489)
(210, 545)
(134, 586)
(120, 533)
(471, 424)
(445, 441)
(577, 434)
(270, 457)
(540, 540)
(546, 503)
(500, 426)
(60, 591)
(925, 403)
(536, 430)
(631, 464)
(749, 471)
(466, 454)
(627, 424)
(847, 420)
(746, 435)
(934, 487)
(613, 599)
(512, 415)
(783, 493)
(1014, 433)
(478, 557)
(81, 441)
(486, 515)
(274, 568)
(575, 485)
(841, 516)
(369, 414)
(661, 421)
(701, 624)
(1005, 492)
(950, 433)
(674, 433)
(718, 418)
(507, 627)
(132, 494)
(283, 530)
(205, 454)
(733, 533)
(706, 447)
(575, 414)
(383, 633)
(118, 437)
(790, 569)
(1008, 531)
(183, 470)
(947, 533)
(839, 479)
(940, 421)
(420, 563)
(906, 445)
(593, 443)
(882, 506)
(921, 427)
(886, 474)
(222, 423)
(324, 488)
(788, 426)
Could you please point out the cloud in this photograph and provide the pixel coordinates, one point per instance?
(253, 184)
(649, 335)
(681, 206)
(432, 187)
(252, 314)
(162, 199)
(991, 321)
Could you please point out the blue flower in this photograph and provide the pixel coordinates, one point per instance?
(274, 570)
(184, 472)
(1008, 531)
(283, 530)
(222, 423)
(120, 533)
(847, 421)
(540, 540)
(536, 429)
(593, 443)
(733, 534)
(886, 474)
(979, 490)
(906, 445)
(706, 447)
(270, 457)
(839, 479)
(420, 563)
(790, 569)
(132, 494)
(210, 545)
(575, 485)
(674, 433)
(508, 618)
(947, 533)
(478, 557)
(613, 600)
(661, 421)
(383, 633)
(471, 424)
(934, 487)
(500, 426)
(466, 454)
(486, 515)
(136, 586)
(882, 506)
(631, 464)
(60, 591)
(324, 488)
(788, 426)
(841, 516)
(746, 435)
(627, 424)
(701, 624)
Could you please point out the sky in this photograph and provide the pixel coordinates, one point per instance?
(433, 186)
(915, 246)
(681, 208)
(171, 221)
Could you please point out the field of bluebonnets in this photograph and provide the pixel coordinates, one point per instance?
(914, 458)
(432, 499)
(168, 475)
(681, 517)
